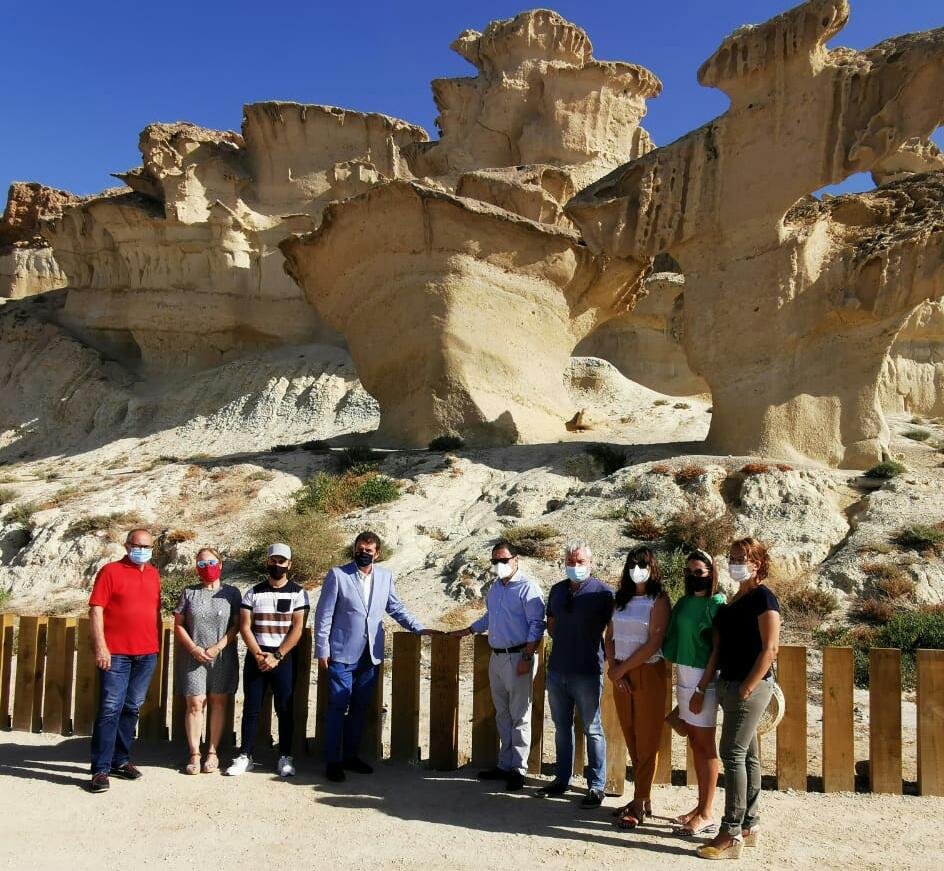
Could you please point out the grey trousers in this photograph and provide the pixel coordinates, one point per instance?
(738, 751)
(511, 694)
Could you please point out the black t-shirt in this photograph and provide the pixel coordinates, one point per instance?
(579, 623)
(739, 634)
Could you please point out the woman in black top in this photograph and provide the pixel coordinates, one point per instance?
(746, 639)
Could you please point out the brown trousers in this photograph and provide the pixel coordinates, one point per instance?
(641, 713)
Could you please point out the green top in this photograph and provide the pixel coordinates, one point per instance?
(688, 638)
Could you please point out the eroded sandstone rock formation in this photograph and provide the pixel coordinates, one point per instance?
(27, 264)
(800, 304)
(484, 294)
(183, 271)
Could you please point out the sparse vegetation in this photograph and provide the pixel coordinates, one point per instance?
(633, 489)
(681, 406)
(4, 598)
(672, 564)
(917, 420)
(316, 542)
(260, 475)
(102, 523)
(610, 458)
(886, 470)
(7, 495)
(358, 460)
(62, 496)
(807, 607)
(314, 445)
(446, 443)
(22, 514)
(199, 458)
(749, 469)
(660, 402)
(917, 435)
(176, 536)
(660, 469)
(922, 538)
(534, 541)
(172, 584)
(689, 473)
(614, 512)
(340, 494)
(694, 527)
(783, 467)
(644, 528)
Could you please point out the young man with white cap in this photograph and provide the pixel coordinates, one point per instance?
(273, 618)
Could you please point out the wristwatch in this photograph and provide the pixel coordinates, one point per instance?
(278, 655)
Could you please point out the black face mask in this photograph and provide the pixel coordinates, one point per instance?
(697, 584)
(277, 572)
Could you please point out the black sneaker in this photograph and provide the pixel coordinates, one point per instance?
(125, 772)
(358, 766)
(593, 798)
(515, 781)
(335, 772)
(494, 774)
(552, 789)
(99, 782)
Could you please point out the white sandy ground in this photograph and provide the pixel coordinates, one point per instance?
(401, 817)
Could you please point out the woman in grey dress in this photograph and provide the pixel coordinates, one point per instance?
(206, 623)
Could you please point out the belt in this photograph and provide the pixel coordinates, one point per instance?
(514, 649)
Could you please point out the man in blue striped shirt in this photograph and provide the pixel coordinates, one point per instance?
(514, 620)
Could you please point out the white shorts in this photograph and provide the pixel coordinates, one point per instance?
(688, 679)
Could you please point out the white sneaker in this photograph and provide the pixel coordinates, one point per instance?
(241, 764)
(286, 766)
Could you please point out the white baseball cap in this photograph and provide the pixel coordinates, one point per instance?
(280, 550)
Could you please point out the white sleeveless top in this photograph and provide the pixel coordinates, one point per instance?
(631, 628)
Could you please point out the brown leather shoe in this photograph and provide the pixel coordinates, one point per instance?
(126, 772)
(99, 782)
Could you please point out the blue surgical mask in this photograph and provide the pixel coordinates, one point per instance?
(578, 573)
(140, 555)
(362, 559)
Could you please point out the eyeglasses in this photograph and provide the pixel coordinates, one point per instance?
(700, 574)
(203, 563)
(501, 559)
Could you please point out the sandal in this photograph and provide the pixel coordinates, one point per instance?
(193, 767)
(211, 763)
(629, 819)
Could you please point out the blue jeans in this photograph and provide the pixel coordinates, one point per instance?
(123, 688)
(350, 689)
(583, 691)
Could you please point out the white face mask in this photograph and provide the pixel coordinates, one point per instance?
(740, 572)
(504, 570)
(639, 576)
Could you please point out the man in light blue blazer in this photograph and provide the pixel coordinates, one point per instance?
(349, 643)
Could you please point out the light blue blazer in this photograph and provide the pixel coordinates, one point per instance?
(345, 623)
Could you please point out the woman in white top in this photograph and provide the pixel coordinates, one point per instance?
(639, 674)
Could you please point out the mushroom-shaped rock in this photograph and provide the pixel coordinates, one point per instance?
(777, 298)
(460, 317)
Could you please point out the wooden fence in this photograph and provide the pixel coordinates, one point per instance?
(56, 690)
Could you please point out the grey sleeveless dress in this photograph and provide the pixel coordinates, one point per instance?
(206, 615)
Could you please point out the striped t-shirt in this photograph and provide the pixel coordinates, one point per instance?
(272, 610)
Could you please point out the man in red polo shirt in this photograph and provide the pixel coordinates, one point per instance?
(124, 609)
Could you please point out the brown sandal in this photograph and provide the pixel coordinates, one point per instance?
(193, 767)
(211, 765)
(629, 819)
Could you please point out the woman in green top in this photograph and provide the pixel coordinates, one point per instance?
(688, 643)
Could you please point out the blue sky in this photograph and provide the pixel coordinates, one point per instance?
(83, 78)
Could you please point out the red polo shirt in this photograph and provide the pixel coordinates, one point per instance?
(130, 599)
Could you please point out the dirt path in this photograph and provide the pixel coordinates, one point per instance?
(402, 817)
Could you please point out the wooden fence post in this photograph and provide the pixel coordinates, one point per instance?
(7, 630)
(150, 722)
(30, 664)
(838, 722)
(321, 708)
(405, 698)
(444, 703)
(536, 754)
(930, 722)
(615, 743)
(86, 681)
(664, 766)
(791, 733)
(302, 691)
(484, 728)
(69, 677)
(178, 703)
(57, 704)
(885, 720)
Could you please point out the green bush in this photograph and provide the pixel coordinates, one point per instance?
(4, 598)
(7, 494)
(888, 469)
(339, 494)
(917, 435)
(446, 443)
(23, 514)
(375, 490)
(672, 564)
(533, 541)
(610, 458)
(172, 583)
(358, 460)
(316, 542)
(920, 537)
(694, 527)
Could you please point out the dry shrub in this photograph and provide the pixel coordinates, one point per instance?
(882, 547)
(755, 469)
(695, 527)
(922, 538)
(688, 473)
(534, 541)
(873, 610)
(644, 528)
(176, 536)
(660, 469)
(934, 609)
(61, 497)
(783, 467)
(806, 608)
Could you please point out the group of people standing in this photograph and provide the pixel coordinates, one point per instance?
(723, 654)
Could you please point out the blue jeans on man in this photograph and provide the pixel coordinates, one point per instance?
(350, 689)
(123, 688)
(583, 692)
